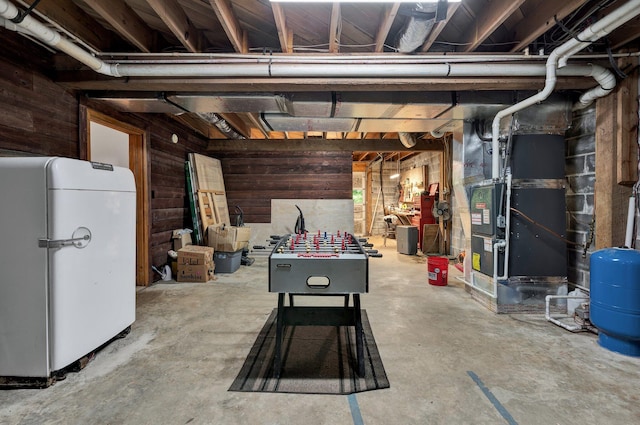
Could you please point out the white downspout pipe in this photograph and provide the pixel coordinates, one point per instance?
(507, 230)
(558, 58)
(54, 39)
(631, 217)
(607, 82)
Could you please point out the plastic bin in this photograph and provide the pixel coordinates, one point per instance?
(227, 262)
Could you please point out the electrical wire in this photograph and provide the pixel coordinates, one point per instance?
(542, 226)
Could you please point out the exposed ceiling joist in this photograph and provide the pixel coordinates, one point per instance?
(200, 125)
(89, 81)
(125, 21)
(237, 122)
(176, 19)
(438, 27)
(625, 35)
(385, 25)
(78, 23)
(334, 28)
(285, 35)
(488, 20)
(541, 20)
(237, 36)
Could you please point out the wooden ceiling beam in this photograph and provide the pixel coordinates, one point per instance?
(238, 123)
(193, 121)
(255, 121)
(541, 20)
(284, 33)
(488, 20)
(80, 80)
(438, 27)
(321, 145)
(363, 156)
(125, 21)
(334, 28)
(237, 36)
(385, 26)
(173, 15)
(626, 34)
(77, 22)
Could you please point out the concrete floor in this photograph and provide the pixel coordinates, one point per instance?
(190, 340)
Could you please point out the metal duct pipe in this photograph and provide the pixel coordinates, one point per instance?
(558, 58)
(408, 140)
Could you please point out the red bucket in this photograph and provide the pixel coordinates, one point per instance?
(438, 270)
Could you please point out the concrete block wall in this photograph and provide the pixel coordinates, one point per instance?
(580, 176)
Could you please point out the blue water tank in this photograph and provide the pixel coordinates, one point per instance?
(615, 299)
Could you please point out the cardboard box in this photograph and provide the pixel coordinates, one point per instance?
(195, 255)
(228, 238)
(180, 240)
(199, 273)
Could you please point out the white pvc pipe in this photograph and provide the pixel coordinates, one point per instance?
(479, 289)
(606, 81)
(547, 312)
(507, 229)
(631, 218)
(558, 58)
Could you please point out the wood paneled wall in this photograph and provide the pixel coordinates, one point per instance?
(252, 180)
(39, 117)
(36, 116)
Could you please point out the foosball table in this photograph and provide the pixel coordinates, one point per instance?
(325, 264)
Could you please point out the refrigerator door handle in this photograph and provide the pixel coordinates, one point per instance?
(80, 239)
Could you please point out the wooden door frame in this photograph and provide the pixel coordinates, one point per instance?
(139, 165)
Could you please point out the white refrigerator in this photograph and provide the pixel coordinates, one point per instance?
(67, 261)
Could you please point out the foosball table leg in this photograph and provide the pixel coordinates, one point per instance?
(359, 334)
(277, 361)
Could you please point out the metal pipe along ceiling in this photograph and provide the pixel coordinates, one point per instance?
(264, 67)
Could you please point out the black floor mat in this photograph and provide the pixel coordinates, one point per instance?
(316, 360)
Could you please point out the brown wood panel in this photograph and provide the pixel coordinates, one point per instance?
(611, 198)
(252, 180)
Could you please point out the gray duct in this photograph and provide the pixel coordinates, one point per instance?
(415, 33)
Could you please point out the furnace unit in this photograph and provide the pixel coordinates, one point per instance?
(523, 220)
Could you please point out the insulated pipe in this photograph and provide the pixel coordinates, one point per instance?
(558, 58)
(408, 140)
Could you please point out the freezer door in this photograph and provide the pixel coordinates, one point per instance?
(92, 281)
